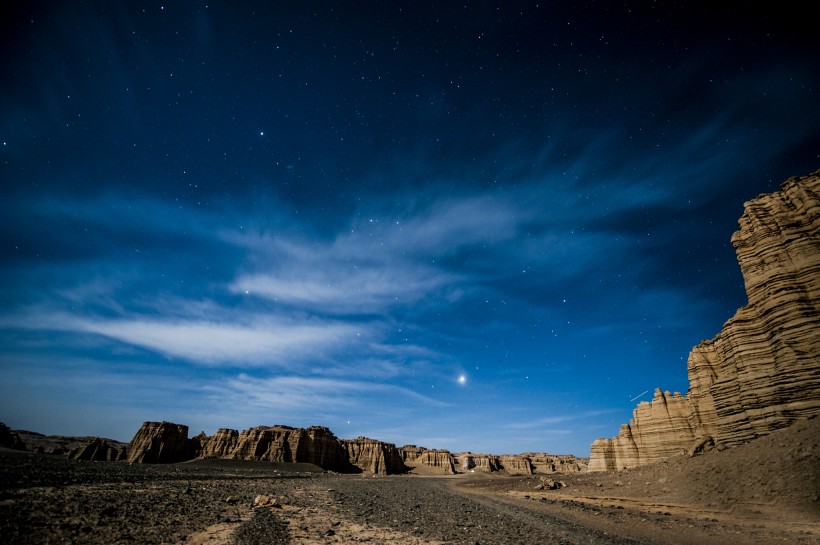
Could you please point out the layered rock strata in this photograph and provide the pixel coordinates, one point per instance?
(556, 463)
(440, 459)
(160, 443)
(762, 371)
(99, 450)
(222, 444)
(315, 445)
(376, 457)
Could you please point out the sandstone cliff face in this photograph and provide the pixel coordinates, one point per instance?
(410, 452)
(160, 443)
(556, 463)
(439, 459)
(372, 456)
(469, 461)
(98, 450)
(516, 464)
(220, 445)
(762, 371)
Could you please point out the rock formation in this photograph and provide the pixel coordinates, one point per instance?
(222, 444)
(160, 443)
(410, 452)
(9, 439)
(488, 463)
(99, 450)
(315, 445)
(762, 371)
(373, 456)
(438, 459)
(556, 463)
(516, 464)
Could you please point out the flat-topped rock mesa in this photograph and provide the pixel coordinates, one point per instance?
(314, 445)
(556, 463)
(166, 442)
(372, 456)
(762, 370)
(512, 464)
(160, 443)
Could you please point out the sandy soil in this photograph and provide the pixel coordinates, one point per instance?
(763, 492)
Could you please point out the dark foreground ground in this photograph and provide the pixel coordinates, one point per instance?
(767, 491)
(48, 499)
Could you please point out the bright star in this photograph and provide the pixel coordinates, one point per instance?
(462, 379)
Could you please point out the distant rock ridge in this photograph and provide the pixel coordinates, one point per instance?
(372, 456)
(512, 464)
(165, 442)
(99, 450)
(762, 371)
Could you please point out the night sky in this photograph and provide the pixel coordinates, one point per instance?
(475, 226)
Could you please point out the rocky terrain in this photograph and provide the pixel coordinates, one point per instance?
(762, 371)
(712, 499)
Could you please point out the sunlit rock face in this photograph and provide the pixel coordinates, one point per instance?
(762, 371)
(160, 443)
(441, 459)
(469, 461)
(372, 456)
(769, 352)
(410, 452)
(315, 445)
(222, 444)
(556, 463)
(659, 429)
(516, 464)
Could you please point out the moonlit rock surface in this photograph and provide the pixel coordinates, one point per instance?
(372, 456)
(160, 443)
(762, 371)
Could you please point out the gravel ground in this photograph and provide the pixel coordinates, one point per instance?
(49, 499)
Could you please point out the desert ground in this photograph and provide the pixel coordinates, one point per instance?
(762, 492)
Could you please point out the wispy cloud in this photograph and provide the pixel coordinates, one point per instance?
(254, 341)
(548, 421)
(302, 392)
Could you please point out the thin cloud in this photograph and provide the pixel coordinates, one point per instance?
(303, 392)
(558, 419)
(260, 342)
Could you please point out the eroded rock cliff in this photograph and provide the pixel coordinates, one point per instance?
(372, 456)
(762, 371)
(160, 443)
(99, 450)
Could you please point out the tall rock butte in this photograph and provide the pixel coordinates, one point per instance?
(762, 371)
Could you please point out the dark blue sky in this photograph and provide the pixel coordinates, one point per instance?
(486, 226)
